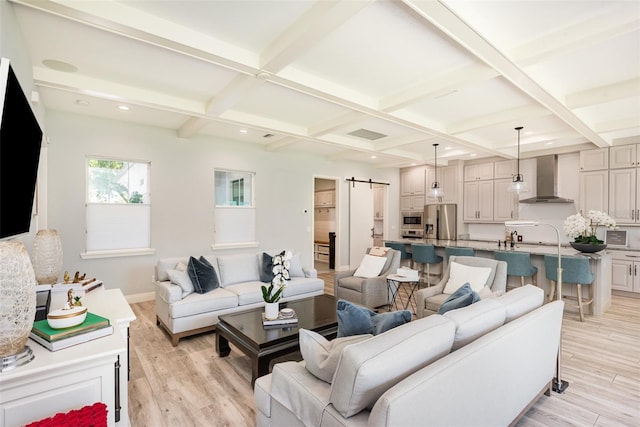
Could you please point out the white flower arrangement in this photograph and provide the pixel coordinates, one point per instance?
(280, 269)
(583, 230)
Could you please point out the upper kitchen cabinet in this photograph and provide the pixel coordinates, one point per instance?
(623, 195)
(412, 181)
(594, 160)
(478, 201)
(504, 169)
(447, 177)
(623, 156)
(478, 171)
(594, 191)
(324, 198)
(504, 202)
(411, 203)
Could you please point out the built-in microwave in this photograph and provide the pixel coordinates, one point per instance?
(412, 220)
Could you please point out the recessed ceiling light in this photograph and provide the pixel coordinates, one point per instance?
(548, 143)
(243, 131)
(447, 148)
(82, 102)
(472, 155)
(123, 108)
(59, 66)
(373, 157)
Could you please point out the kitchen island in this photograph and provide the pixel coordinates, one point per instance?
(599, 262)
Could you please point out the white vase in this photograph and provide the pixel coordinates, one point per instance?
(271, 310)
(18, 306)
(47, 256)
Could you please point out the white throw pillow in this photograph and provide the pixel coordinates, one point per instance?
(370, 266)
(459, 274)
(181, 278)
(321, 355)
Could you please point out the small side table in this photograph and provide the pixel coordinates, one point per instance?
(393, 286)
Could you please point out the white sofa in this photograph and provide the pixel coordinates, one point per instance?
(239, 277)
(482, 365)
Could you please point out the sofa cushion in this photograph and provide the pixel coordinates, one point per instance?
(370, 266)
(462, 297)
(202, 275)
(181, 278)
(459, 274)
(321, 355)
(357, 320)
(521, 300)
(476, 320)
(217, 299)
(247, 292)
(165, 264)
(302, 285)
(238, 268)
(368, 368)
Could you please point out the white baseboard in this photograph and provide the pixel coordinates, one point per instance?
(147, 296)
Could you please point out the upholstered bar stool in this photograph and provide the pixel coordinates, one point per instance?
(405, 257)
(518, 264)
(576, 271)
(458, 251)
(424, 254)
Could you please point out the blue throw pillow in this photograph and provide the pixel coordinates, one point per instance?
(462, 297)
(202, 275)
(357, 320)
(266, 273)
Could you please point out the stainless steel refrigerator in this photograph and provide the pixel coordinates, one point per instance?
(440, 221)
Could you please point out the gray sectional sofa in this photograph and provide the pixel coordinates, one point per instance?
(182, 314)
(482, 365)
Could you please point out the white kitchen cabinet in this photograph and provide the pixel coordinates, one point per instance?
(504, 202)
(478, 171)
(478, 201)
(625, 271)
(505, 169)
(412, 181)
(623, 189)
(412, 203)
(594, 191)
(592, 160)
(378, 201)
(324, 198)
(447, 177)
(623, 156)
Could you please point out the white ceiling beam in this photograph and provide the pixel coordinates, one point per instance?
(579, 36)
(458, 30)
(451, 81)
(336, 123)
(390, 143)
(604, 94)
(280, 144)
(497, 118)
(324, 17)
(617, 125)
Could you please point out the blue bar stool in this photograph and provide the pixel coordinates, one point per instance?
(404, 255)
(425, 255)
(457, 251)
(575, 270)
(518, 264)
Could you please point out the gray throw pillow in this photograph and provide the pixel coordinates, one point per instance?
(462, 297)
(202, 275)
(357, 320)
(266, 272)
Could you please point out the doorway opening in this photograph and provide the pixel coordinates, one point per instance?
(325, 224)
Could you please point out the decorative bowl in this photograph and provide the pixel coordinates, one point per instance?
(287, 312)
(588, 247)
(66, 318)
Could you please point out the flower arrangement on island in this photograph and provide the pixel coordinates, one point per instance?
(583, 230)
(280, 269)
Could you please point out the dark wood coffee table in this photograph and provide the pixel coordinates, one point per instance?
(262, 345)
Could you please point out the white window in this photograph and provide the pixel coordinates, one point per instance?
(235, 214)
(118, 207)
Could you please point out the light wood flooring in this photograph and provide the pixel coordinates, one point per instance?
(190, 385)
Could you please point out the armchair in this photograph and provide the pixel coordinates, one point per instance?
(370, 292)
(429, 299)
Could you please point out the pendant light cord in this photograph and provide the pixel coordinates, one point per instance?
(519, 128)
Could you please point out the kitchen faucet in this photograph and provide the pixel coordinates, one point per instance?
(513, 238)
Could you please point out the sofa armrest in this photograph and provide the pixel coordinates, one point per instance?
(339, 275)
(423, 294)
(169, 292)
(310, 272)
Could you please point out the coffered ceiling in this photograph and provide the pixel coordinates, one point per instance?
(369, 81)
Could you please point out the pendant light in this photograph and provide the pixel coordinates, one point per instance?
(518, 185)
(435, 191)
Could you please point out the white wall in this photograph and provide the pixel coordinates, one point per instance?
(182, 193)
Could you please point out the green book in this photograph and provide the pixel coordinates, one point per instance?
(92, 322)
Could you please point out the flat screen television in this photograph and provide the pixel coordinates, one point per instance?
(20, 143)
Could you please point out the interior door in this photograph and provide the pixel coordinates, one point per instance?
(360, 221)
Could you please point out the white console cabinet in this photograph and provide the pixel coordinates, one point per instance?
(59, 381)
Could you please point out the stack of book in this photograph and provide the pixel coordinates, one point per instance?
(280, 322)
(79, 288)
(93, 327)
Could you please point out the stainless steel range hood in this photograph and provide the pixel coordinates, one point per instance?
(547, 181)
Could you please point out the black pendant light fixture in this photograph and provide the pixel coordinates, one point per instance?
(435, 191)
(518, 185)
